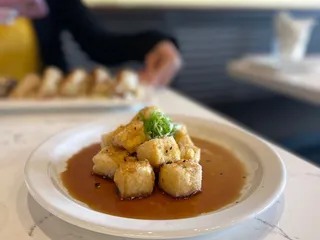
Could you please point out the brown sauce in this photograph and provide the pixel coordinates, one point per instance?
(223, 179)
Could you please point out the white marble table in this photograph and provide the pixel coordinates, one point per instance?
(301, 81)
(295, 216)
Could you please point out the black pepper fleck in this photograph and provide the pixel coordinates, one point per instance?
(133, 154)
(135, 128)
(244, 177)
(237, 202)
(97, 185)
(184, 160)
(171, 148)
(166, 151)
(169, 162)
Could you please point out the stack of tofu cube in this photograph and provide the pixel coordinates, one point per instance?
(131, 158)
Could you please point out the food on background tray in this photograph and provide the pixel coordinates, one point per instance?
(127, 83)
(77, 84)
(132, 154)
(103, 84)
(27, 87)
(6, 86)
(51, 81)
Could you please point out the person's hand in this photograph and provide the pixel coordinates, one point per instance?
(162, 63)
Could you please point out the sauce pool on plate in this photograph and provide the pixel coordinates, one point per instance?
(224, 176)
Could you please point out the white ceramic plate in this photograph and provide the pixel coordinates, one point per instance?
(145, 98)
(265, 184)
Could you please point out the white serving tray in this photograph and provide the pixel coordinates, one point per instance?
(78, 103)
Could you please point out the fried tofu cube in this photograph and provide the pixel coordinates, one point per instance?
(145, 112)
(181, 133)
(107, 139)
(131, 136)
(181, 179)
(158, 151)
(190, 152)
(187, 148)
(108, 159)
(131, 159)
(134, 179)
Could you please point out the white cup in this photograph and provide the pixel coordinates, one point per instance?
(292, 37)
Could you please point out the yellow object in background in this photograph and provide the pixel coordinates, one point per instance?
(18, 49)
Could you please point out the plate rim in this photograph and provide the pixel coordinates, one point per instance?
(169, 233)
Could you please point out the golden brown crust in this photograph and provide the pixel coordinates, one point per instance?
(27, 87)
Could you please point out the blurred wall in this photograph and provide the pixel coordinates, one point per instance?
(208, 40)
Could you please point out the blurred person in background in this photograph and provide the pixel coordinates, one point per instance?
(27, 45)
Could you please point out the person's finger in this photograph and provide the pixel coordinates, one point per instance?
(152, 65)
(161, 73)
(170, 67)
(161, 68)
(168, 70)
(146, 77)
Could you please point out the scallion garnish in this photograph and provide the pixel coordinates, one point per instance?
(158, 125)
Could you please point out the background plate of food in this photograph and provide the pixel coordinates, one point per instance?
(78, 89)
(155, 176)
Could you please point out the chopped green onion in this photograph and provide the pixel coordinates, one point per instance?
(158, 125)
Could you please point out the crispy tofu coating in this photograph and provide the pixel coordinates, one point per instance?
(130, 136)
(108, 159)
(188, 150)
(107, 139)
(145, 112)
(134, 179)
(158, 151)
(150, 143)
(181, 179)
